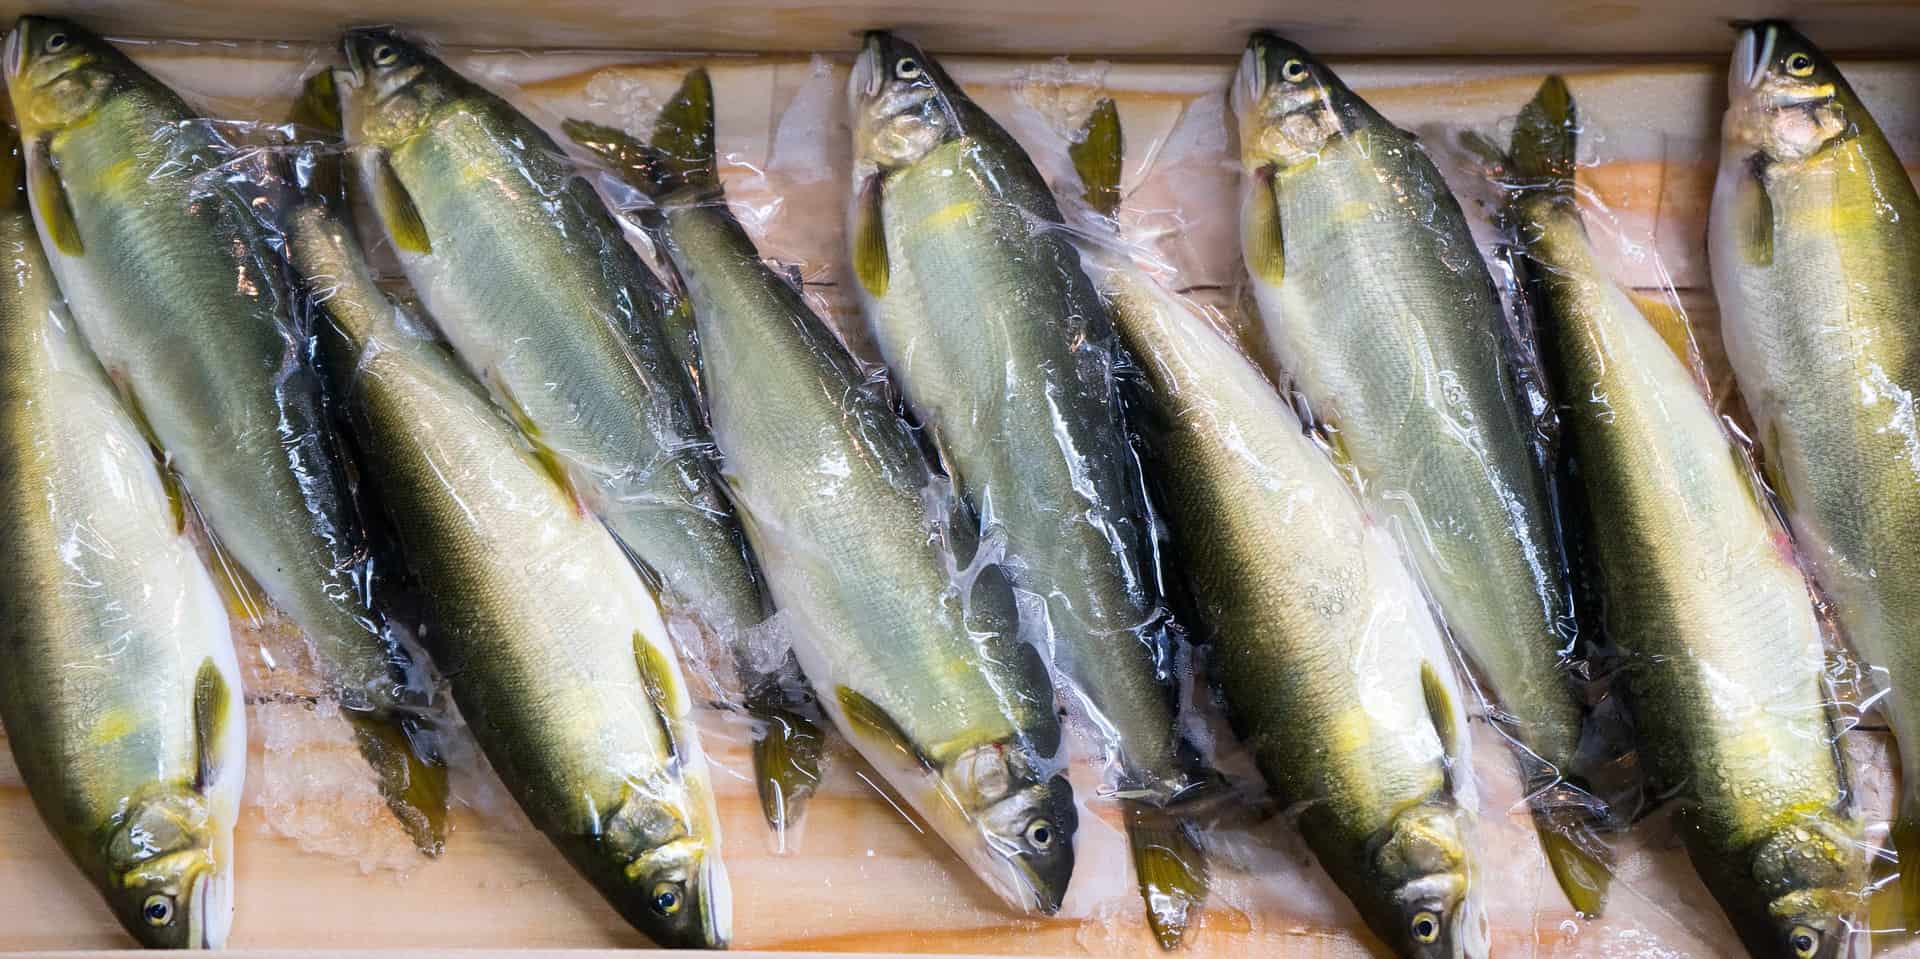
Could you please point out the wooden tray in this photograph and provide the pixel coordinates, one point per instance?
(320, 866)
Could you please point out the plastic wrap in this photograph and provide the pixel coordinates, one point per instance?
(189, 310)
(121, 694)
(1021, 756)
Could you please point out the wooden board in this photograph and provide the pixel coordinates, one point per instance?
(321, 868)
(1112, 27)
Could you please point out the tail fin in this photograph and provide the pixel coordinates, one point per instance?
(1905, 836)
(786, 762)
(1544, 135)
(1578, 859)
(1171, 870)
(405, 753)
(1097, 157)
(681, 155)
(318, 110)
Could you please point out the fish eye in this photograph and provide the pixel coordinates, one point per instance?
(157, 910)
(1426, 927)
(1293, 71)
(907, 68)
(1799, 64)
(384, 56)
(667, 899)
(1805, 942)
(56, 42)
(1040, 834)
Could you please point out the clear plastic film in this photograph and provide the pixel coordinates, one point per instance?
(1083, 604)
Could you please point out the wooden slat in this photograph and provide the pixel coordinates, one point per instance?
(321, 868)
(1132, 27)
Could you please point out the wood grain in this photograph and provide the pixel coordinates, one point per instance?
(1119, 27)
(322, 869)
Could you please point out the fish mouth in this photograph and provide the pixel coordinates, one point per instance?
(865, 81)
(717, 895)
(1751, 52)
(205, 928)
(17, 48)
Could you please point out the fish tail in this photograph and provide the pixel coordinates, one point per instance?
(1579, 860)
(1544, 136)
(1170, 867)
(1097, 155)
(681, 155)
(786, 761)
(1905, 836)
(405, 753)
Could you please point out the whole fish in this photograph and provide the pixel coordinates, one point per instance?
(911, 645)
(532, 282)
(1335, 673)
(178, 289)
(120, 692)
(1005, 354)
(554, 645)
(1376, 301)
(1815, 245)
(1726, 669)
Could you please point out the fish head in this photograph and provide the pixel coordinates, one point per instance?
(168, 878)
(1420, 897)
(1801, 890)
(59, 74)
(1029, 841)
(1786, 100)
(661, 872)
(397, 87)
(902, 102)
(1289, 105)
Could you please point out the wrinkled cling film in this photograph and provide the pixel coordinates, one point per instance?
(785, 192)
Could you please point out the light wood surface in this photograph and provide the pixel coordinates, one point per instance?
(1114, 27)
(322, 869)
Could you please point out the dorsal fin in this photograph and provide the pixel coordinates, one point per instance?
(1098, 155)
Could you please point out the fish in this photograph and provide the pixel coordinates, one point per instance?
(1004, 353)
(554, 644)
(121, 694)
(529, 277)
(909, 637)
(1814, 243)
(1334, 671)
(176, 285)
(1726, 664)
(1375, 301)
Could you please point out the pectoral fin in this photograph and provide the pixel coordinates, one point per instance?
(868, 722)
(662, 682)
(176, 497)
(1753, 220)
(212, 706)
(870, 241)
(51, 202)
(1669, 321)
(1261, 240)
(1440, 709)
(550, 461)
(394, 206)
